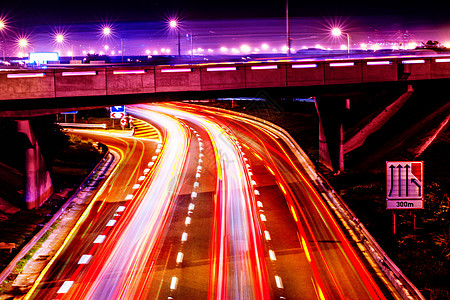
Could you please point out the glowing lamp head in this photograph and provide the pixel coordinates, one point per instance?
(23, 43)
(336, 32)
(59, 38)
(106, 31)
(2, 25)
(173, 24)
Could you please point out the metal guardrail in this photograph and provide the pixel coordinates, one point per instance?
(401, 283)
(82, 125)
(9, 268)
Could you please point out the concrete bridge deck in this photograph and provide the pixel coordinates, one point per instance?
(87, 80)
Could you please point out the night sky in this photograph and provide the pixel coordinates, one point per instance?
(29, 12)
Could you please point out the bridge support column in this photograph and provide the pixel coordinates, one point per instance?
(331, 113)
(38, 184)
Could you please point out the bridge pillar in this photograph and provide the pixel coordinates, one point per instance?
(331, 111)
(38, 184)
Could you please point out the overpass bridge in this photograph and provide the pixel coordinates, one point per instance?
(31, 92)
(154, 81)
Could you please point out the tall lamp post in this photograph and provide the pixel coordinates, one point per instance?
(2, 28)
(288, 31)
(338, 32)
(59, 38)
(174, 25)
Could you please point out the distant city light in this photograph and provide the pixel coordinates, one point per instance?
(411, 45)
(375, 47)
(257, 42)
(245, 49)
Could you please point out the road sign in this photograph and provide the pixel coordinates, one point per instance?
(118, 108)
(123, 121)
(404, 184)
(117, 115)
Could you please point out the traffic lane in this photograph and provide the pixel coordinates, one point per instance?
(333, 247)
(182, 269)
(126, 267)
(242, 271)
(99, 213)
(337, 262)
(288, 254)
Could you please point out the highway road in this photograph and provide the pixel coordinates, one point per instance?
(221, 209)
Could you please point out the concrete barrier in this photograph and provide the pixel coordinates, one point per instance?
(82, 125)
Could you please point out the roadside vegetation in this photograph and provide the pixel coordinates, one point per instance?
(69, 160)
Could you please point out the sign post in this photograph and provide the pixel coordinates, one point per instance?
(404, 187)
(404, 184)
(117, 112)
(123, 122)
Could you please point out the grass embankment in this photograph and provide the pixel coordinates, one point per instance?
(68, 169)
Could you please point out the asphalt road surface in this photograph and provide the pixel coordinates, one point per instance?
(221, 209)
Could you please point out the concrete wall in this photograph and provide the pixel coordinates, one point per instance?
(178, 78)
(114, 80)
(86, 82)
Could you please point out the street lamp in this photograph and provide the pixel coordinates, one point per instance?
(337, 32)
(2, 29)
(174, 25)
(59, 38)
(288, 30)
(23, 43)
(106, 31)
